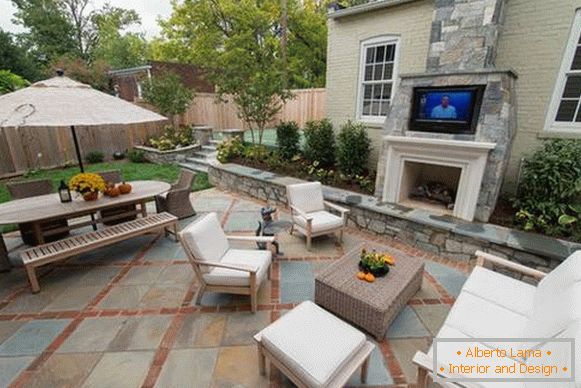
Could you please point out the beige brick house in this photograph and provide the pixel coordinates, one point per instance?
(538, 40)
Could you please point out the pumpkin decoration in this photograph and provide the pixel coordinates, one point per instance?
(124, 188)
(369, 278)
(361, 275)
(113, 192)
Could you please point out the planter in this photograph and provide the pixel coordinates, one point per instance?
(377, 272)
(153, 155)
(203, 134)
(91, 196)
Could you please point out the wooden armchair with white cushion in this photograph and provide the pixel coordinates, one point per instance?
(220, 268)
(492, 305)
(310, 215)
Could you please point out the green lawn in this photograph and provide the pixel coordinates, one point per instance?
(130, 172)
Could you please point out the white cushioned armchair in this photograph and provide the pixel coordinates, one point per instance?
(309, 211)
(220, 268)
(492, 305)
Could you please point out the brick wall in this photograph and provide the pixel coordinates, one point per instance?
(411, 22)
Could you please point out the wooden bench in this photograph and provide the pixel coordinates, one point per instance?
(62, 249)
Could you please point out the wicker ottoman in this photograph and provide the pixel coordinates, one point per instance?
(371, 306)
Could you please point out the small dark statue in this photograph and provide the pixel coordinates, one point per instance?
(436, 192)
(267, 227)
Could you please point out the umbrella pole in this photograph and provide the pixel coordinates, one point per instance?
(77, 148)
(81, 167)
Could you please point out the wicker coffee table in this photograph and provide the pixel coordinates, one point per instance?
(371, 306)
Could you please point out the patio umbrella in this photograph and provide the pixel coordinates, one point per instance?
(63, 102)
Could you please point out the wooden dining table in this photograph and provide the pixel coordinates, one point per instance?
(39, 209)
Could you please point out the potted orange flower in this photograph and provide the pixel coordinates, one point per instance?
(88, 185)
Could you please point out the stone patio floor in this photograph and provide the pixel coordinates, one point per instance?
(124, 316)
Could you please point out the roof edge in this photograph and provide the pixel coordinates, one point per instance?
(371, 6)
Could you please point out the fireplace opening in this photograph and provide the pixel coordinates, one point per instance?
(429, 186)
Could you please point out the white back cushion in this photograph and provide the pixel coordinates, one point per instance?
(205, 238)
(308, 197)
(557, 300)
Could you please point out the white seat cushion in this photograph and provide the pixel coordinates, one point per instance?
(244, 258)
(308, 197)
(205, 238)
(557, 300)
(502, 290)
(479, 318)
(322, 221)
(312, 343)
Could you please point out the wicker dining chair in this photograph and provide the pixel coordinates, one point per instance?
(177, 200)
(20, 190)
(114, 176)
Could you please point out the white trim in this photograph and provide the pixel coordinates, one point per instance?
(469, 156)
(550, 124)
(364, 44)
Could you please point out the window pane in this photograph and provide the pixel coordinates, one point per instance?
(368, 72)
(370, 54)
(390, 53)
(577, 59)
(380, 54)
(377, 91)
(378, 72)
(388, 74)
(567, 110)
(572, 87)
(578, 119)
(384, 108)
(366, 107)
(375, 108)
(386, 95)
(367, 93)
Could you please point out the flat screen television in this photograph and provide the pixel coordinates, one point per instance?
(446, 109)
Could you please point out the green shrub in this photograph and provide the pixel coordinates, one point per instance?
(255, 152)
(173, 138)
(230, 149)
(353, 148)
(95, 157)
(320, 143)
(288, 139)
(549, 194)
(136, 156)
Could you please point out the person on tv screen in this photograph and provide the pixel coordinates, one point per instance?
(444, 110)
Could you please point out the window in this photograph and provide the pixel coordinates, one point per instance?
(377, 77)
(565, 109)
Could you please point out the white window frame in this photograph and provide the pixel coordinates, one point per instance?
(551, 125)
(365, 44)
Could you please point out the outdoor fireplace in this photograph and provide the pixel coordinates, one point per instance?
(452, 126)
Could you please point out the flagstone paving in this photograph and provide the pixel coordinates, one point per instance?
(125, 316)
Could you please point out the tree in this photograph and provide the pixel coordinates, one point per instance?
(168, 95)
(94, 74)
(68, 27)
(237, 43)
(10, 82)
(17, 59)
(49, 31)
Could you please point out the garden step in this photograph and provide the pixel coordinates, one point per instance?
(194, 166)
(205, 152)
(209, 148)
(215, 142)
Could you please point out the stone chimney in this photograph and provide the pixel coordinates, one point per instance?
(464, 35)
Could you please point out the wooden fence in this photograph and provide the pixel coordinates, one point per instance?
(23, 149)
(307, 104)
(27, 148)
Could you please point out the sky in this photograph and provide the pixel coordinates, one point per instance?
(149, 10)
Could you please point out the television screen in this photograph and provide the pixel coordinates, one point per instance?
(449, 110)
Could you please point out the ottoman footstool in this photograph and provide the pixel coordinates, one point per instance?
(314, 348)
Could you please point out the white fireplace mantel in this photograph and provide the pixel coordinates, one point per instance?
(469, 156)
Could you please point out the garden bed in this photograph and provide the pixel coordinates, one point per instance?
(156, 156)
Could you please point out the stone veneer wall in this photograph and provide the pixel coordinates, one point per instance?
(464, 34)
(445, 236)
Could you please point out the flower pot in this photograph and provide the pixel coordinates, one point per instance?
(377, 272)
(91, 196)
